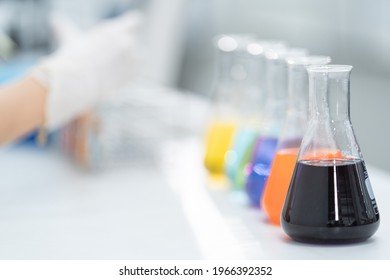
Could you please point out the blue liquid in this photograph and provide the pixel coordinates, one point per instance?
(259, 168)
(239, 156)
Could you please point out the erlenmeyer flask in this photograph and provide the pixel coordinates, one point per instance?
(232, 72)
(294, 128)
(330, 199)
(252, 90)
(257, 171)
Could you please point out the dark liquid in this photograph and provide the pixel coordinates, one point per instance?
(330, 201)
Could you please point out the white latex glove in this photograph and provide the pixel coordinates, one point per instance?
(89, 67)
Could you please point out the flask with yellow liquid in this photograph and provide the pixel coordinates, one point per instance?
(226, 100)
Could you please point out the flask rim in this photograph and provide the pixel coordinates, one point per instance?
(329, 68)
(309, 60)
(284, 53)
(260, 47)
(233, 42)
(245, 43)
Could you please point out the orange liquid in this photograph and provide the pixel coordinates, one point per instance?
(323, 154)
(278, 182)
(280, 176)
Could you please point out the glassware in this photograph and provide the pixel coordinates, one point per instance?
(232, 72)
(257, 171)
(250, 114)
(330, 199)
(129, 128)
(291, 136)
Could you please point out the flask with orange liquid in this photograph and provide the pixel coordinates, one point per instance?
(291, 136)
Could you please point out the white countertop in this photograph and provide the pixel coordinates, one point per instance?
(163, 210)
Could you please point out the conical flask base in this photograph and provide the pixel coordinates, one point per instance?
(330, 201)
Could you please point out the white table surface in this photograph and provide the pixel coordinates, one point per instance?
(51, 210)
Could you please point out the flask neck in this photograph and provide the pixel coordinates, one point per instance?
(298, 90)
(240, 68)
(240, 82)
(329, 94)
(276, 79)
(276, 95)
(330, 133)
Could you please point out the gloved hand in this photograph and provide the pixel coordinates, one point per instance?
(91, 66)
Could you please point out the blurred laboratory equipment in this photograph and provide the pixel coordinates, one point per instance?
(26, 23)
(226, 99)
(274, 114)
(129, 128)
(291, 136)
(251, 89)
(330, 199)
(24, 36)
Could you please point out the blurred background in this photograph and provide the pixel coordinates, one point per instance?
(73, 214)
(180, 52)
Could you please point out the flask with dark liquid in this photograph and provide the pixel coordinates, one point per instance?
(330, 199)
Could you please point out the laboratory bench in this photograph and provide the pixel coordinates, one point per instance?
(160, 207)
(163, 208)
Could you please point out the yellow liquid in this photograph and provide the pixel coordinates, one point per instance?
(218, 141)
